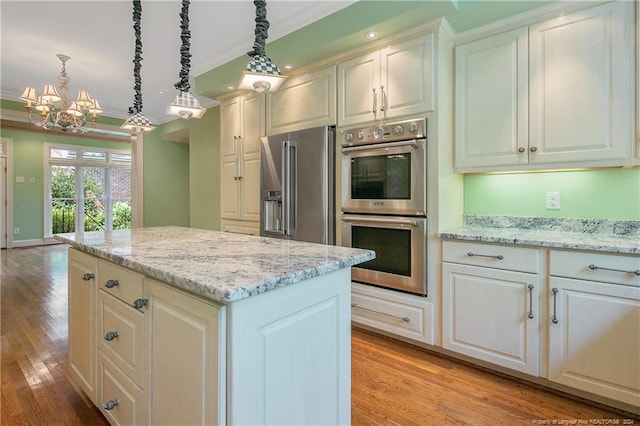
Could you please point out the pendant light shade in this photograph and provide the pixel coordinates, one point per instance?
(137, 121)
(261, 74)
(185, 105)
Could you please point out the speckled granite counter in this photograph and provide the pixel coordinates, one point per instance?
(578, 234)
(221, 266)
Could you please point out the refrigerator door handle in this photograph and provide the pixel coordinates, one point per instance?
(241, 158)
(235, 147)
(293, 184)
(285, 188)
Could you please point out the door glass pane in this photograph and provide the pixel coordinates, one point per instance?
(121, 198)
(63, 199)
(94, 155)
(392, 247)
(94, 179)
(65, 154)
(381, 177)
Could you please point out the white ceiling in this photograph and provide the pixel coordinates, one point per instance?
(99, 38)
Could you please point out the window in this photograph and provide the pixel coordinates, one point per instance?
(88, 189)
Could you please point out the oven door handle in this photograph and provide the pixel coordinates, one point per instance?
(413, 143)
(393, 221)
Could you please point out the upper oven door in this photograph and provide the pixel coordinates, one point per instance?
(385, 178)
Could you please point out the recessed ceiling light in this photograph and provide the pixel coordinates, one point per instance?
(371, 35)
(288, 66)
(161, 92)
(230, 87)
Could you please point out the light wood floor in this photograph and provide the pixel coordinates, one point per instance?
(393, 383)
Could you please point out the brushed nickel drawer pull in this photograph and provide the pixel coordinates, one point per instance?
(88, 277)
(554, 318)
(499, 257)
(530, 287)
(405, 319)
(594, 268)
(111, 335)
(111, 283)
(111, 404)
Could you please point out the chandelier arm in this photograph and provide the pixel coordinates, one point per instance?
(185, 55)
(137, 61)
(261, 31)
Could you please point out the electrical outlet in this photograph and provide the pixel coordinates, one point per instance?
(16, 231)
(32, 179)
(553, 201)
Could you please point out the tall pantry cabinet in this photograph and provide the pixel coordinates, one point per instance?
(242, 125)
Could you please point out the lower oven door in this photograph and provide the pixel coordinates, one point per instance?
(400, 246)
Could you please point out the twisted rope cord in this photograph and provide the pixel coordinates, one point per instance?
(185, 61)
(137, 61)
(261, 31)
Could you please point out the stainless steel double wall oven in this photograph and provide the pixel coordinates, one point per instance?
(384, 202)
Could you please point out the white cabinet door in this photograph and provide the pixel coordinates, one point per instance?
(187, 358)
(594, 338)
(358, 84)
(580, 87)
(303, 102)
(406, 78)
(491, 315)
(82, 320)
(491, 106)
(242, 126)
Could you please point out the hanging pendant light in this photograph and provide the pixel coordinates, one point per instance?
(137, 121)
(185, 105)
(261, 74)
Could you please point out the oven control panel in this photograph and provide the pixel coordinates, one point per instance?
(398, 131)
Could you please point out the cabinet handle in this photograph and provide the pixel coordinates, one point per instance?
(521, 150)
(530, 287)
(594, 268)
(111, 335)
(88, 277)
(140, 303)
(111, 283)
(382, 96)
(499, 257)
(405, 319)
(554, 318)
(533, 149)
(110, 405)
(374, 102)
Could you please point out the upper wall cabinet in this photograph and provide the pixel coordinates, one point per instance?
(564, 99)
(393, 82)
(303, 102)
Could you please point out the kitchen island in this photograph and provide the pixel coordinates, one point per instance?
(176, 325)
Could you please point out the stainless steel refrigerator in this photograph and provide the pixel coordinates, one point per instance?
(297, 186)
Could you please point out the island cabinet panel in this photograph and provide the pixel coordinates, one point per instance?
(187, 357)
(285, 340)
(303, 102)
(82, 320)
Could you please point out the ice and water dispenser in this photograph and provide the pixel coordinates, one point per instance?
(273, 212)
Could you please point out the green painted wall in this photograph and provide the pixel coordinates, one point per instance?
(594, 194)
(166, 180)
(27, 157)
(204, 171)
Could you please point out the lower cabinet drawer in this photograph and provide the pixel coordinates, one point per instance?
(397, 313)
(119, 399)
(609, 268)
(121, 335)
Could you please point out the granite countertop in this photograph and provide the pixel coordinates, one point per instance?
(577, 234)
(221, 266)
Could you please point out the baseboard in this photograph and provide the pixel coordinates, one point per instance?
(35, 242)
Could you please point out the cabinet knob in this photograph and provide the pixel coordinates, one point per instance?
(111, 335)
(111, 283)
(140, 303)
(521, 150)
(533, 149)
(88, 277)
(110, 405)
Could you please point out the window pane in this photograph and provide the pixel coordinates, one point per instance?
(94, 181)
(91, 155)
(64, 154)
(121, 158)
(94, 219)
(63, 201)
(121, 198)
(94, 198)
(121, 214)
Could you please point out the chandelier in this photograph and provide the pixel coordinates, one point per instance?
(51, 109)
